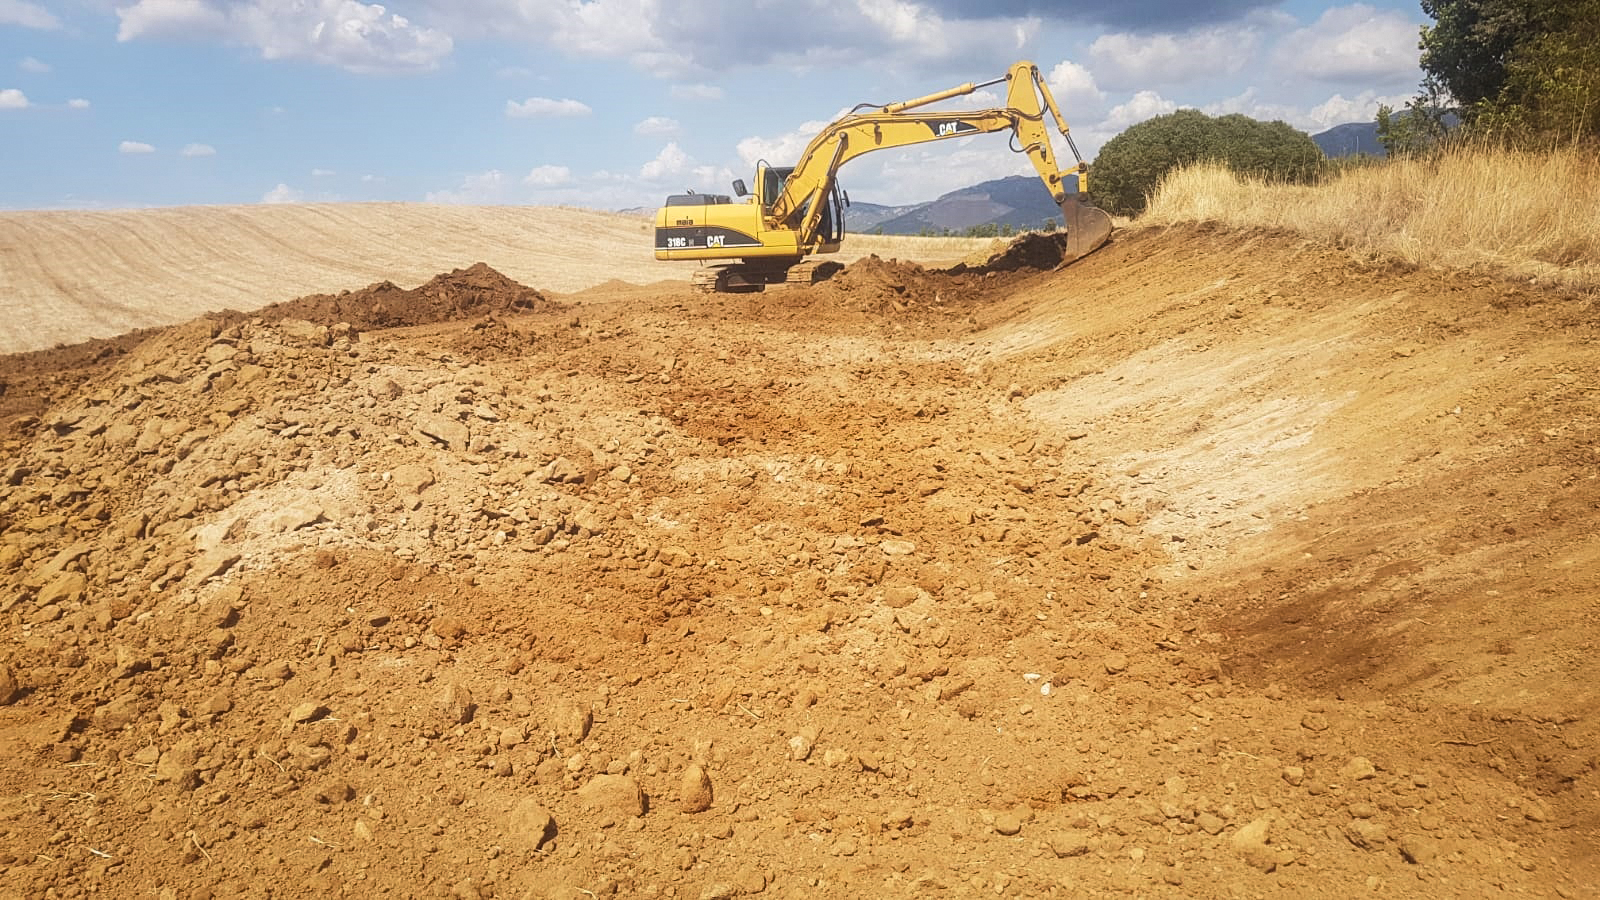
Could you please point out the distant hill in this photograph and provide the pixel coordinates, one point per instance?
(1019, 201)
(1350, 139)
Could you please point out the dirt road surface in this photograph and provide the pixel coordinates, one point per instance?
(1214, 565)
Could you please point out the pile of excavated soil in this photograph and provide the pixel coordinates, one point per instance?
(707, 597)
(462, 294)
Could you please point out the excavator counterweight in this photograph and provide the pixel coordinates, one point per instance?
(795, 212)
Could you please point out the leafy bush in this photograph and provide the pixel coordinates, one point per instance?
(1131, 164)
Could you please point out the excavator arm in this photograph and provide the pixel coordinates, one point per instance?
(1028, 102)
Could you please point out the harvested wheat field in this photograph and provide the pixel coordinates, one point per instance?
(1217, 564)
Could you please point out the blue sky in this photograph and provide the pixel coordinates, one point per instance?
(615, 103)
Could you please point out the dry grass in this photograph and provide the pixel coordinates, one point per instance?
(69, 276)
(1526, 214)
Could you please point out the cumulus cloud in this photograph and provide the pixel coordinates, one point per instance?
(283, 194)
(683, 40)
(27, 15)
(359, 37)
(548, 176)
(197, 150)
(695, 92)
(1074, 88)
(29, 64)
(1129, 61)
(322, 173)
(1336, 110)
(1132, 15)
(780, 150)
(670, 161)
(1354, 43)
(482, 188)
(77, 103)
(135, 147)
(1143, 105)
(11, 98)
(535, 107)
(656, 126)
(1363, 107)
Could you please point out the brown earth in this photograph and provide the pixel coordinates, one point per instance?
(1214, 565)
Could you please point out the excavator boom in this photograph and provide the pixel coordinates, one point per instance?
(801, 213)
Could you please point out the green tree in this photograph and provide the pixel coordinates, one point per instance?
(1131, 164)
(1519, 70)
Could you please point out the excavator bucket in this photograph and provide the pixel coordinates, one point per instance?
(1088, 227)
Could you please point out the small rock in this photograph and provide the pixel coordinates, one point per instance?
(1294, 775)
(1418, 849)
(1008, 823)
(10, 687)
(1358, 769)
(450, 432)
(1366, 834)
(1314, 722)
(1209, 823)
(801, 744)
(410, 480)
(1068, 843)
(307, 712)
(532, 823)
(454, 704)
(617, 795)
(751, 881)
(571, 720)
(694, 790)
(1116, 664)
(1250, 842)
(718, 890)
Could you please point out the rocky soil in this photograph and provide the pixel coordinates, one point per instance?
(1214, 565)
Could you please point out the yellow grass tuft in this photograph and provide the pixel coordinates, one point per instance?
(1522, 213)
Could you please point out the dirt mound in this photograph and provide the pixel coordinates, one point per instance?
(468, 293)
(895, 289)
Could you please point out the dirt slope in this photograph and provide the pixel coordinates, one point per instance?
(1211, 566)
(71, 276)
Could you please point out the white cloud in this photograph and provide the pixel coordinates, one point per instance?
(27, 15)
(37, 67)
(322, 173)
(695, 92)
(77, 103)
(548, 176)
(283, 194)
(670, 161)
(372, 179)
(1354, 43)
(359, 37)
(135, 147)
(195, 150)
(1074, 88)
(11, 98)
(544, 106)
(483, 188)
(171, 19)
(1143, 105)
(657, 126)
(1337, 110)
(1141, 60)
(781, 150)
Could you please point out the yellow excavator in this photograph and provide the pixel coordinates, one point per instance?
(765, 237)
